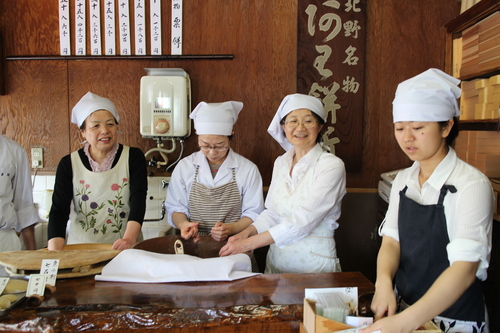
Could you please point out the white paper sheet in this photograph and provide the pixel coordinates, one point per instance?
(141, 266)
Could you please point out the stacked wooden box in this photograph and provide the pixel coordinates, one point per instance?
(480, 99)
(480, 149)
(481, 47)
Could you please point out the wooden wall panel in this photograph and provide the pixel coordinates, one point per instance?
(403, 38)
(35, 110)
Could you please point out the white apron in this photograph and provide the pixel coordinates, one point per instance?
(315, 253)
(100, 202)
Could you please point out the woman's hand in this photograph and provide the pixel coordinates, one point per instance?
(189, 229)
(220, 231)
(391, 324)
(234, 247)
(123, 244)
(384, 302)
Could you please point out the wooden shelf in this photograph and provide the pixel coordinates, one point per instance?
(150, 57)
(479, 125)
(471, 16)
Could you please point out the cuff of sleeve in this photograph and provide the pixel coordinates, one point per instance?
(391, 232)
(471, 251)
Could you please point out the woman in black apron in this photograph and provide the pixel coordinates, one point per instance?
(437, 231)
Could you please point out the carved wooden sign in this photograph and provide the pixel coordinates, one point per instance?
(331, 66)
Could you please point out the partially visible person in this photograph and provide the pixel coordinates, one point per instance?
(437, 234)
(18, 213)
(214, 191)
(106, 182)
(304, 198)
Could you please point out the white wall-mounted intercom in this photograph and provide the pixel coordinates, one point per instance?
(165, 103)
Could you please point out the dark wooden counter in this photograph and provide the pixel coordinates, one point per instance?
(263, 303)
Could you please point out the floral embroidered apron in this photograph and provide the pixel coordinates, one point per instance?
(100, 202)
(315, 253)
(423, 239)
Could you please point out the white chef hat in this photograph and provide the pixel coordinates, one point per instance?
(89, 103)
(215, 118)
(429, 96)
(288, 104)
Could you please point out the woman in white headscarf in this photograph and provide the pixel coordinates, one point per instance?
(304, 198)
(106, 182)
(214, 191)
(437, 232)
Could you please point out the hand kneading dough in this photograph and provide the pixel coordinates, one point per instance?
(15, 286)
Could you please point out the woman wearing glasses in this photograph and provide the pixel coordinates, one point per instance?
(303, 202)
(215, 190)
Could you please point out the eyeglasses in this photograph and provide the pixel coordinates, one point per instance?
(308, 123)
(208, 148)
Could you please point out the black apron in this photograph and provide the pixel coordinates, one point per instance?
(423, 238)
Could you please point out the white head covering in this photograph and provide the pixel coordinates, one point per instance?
(288, 104)
(215, 118)
(89, 103)
(429, 96)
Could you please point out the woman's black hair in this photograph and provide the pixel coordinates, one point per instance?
(453, 132)
(319, 120)
(82, 126)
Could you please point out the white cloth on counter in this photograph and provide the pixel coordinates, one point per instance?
(141, 266)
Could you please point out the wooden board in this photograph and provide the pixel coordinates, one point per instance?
(74, 260)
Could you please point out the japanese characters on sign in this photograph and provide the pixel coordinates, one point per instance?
(80, 27)
(155, 27)
(124, 21)
(64, 29)
(330, 66)
(176, 27)
(109, 22)
(118, 38)
(95, 27)
(140, 27)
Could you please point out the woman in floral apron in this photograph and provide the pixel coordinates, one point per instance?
(214, 191)
(304, 198)
(437, 233)
(105, 182)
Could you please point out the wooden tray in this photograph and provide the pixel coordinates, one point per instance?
(74, 260)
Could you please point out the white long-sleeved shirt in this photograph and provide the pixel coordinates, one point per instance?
(248, 179)
(469, 211)
(323, 202)
(17, 209)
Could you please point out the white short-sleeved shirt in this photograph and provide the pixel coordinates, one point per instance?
(248, 179)
(323, 200)
(17, 210)
(469, 211)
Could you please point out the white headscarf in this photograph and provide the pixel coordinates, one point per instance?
(89, 103)
(288, 104)
(215, 118)
(429, 96)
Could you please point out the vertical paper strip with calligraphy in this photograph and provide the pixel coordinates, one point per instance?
(124, 21)
(80, 28)
(155, 19)
(64, 29)
(331, 66)
(110, 34)
(176, 27)
(140, 27)
(95, 27)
